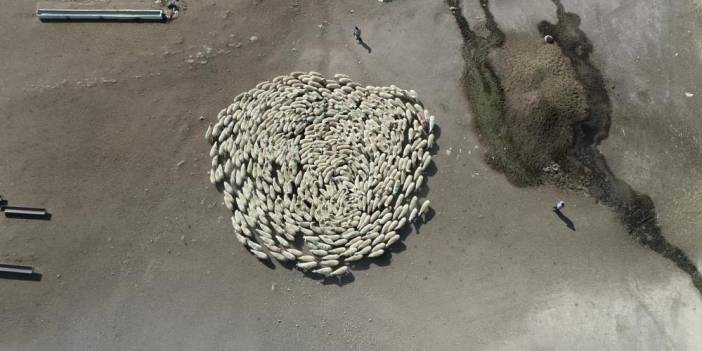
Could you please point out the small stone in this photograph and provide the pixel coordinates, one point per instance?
(688, 94)
(58, 276)
(350, 11)
(180, 163)
(548, 39)
(253, 38)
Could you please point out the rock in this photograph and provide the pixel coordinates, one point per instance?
(253, 38)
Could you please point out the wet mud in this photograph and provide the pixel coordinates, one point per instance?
(512, 121)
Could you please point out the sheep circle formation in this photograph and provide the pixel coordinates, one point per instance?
(321, 172)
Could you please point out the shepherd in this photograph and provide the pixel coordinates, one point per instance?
(559, 206)
(357, 34)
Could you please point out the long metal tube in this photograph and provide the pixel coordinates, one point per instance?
(8, 268)
(24, 211)
(100, 15)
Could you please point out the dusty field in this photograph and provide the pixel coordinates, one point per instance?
(139, 253)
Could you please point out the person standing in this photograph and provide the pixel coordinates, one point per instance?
(559, 206)
(357, 34)
(359, 40)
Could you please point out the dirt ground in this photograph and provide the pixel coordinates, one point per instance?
(100, 123)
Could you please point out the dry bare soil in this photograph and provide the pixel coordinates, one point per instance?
(100, 123)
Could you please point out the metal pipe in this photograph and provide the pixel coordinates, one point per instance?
(8, 268)
(24, 211)
(100, 15)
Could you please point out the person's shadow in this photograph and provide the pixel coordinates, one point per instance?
(569, 223)
(363, 43)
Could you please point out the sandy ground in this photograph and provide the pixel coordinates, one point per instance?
(139, 254)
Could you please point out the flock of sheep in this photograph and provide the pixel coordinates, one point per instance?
(321, 172)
